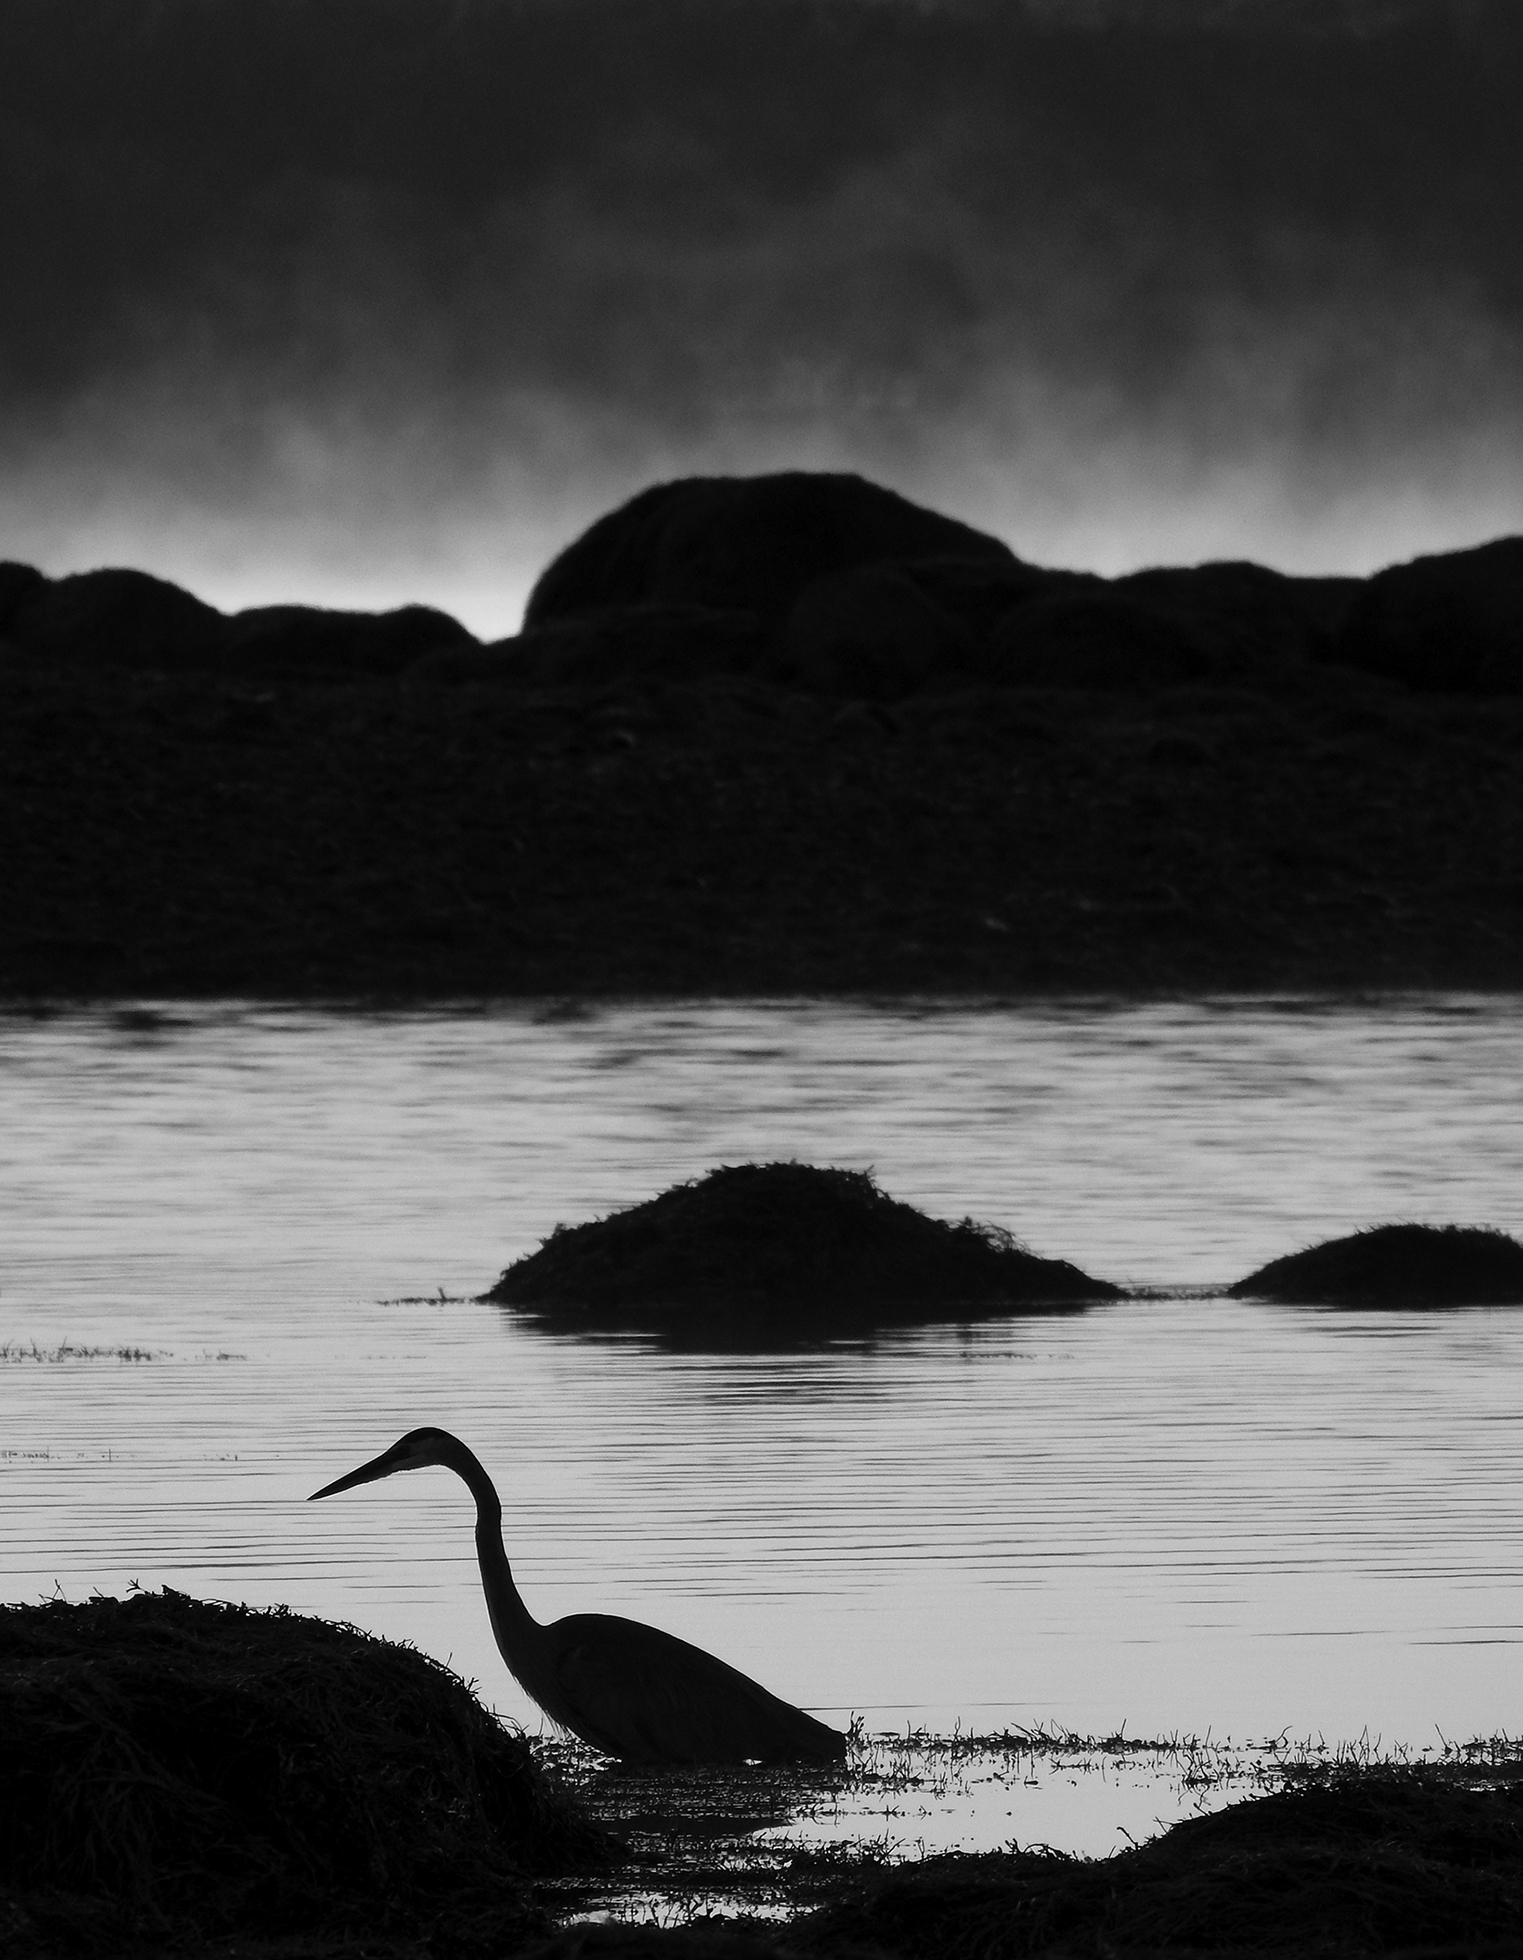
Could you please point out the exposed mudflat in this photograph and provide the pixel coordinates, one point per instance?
(198, 834)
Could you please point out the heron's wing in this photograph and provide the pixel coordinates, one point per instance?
(638, 1692)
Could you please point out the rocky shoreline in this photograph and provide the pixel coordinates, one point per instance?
(1007, 782)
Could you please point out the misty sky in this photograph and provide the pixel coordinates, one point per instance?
(366, 300)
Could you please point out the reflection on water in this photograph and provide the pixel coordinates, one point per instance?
(742, 1841)
(1179, 1515)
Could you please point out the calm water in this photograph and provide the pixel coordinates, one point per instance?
(1180, 1514)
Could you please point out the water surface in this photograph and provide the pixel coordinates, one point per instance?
(1175, 1514)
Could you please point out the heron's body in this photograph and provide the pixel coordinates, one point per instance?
(628, 1689)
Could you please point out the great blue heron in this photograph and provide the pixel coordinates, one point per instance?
(628, 1689)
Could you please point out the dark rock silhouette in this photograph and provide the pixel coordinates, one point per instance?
(787, 1246)
(1159, 781)
(1397, 1266)
(748, 544)
(1450, 623)
(119, 617)
(314, 642)
(17, 582)
(870, 632)
(982, 591)
(1087, 636)
(642, 642)
(1248, 615)
(126, 618)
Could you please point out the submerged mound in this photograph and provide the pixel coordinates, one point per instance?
(174, 1766)
(1397, 1266)
(781, 1242)
(1361, 1862)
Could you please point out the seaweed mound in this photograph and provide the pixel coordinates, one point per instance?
(1397, 1266)
(1364, 1862)
(178, 1768)
(781, 1243)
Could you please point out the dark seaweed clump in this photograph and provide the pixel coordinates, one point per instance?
(1397, 1266)
(1367, 1861)
(781, 1243)
(175, 1769)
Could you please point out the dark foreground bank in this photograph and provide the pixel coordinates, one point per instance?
(1384, 1861)
(771, 735)
(194, 1779)
(179, 1774)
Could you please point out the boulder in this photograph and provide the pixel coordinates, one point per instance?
(316, 643)
(118, 617)
(1249, 615)
(1447, 624)
(870, 633)
(17, 582)
(982, 591)
(748, 544)
(1090, 636)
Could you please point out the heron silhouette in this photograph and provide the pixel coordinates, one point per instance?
(629, 1690)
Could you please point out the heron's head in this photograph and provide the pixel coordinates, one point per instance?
(416, 1451)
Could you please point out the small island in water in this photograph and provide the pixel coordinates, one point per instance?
(799, 1251)
(791, 1247)
(1397, 1266)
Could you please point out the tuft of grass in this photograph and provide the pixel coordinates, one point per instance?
(70, 1351)
(788, 1245)
(1403, 1265)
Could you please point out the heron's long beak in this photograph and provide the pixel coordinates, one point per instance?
(380, 1466)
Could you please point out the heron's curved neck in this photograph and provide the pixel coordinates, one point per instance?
(519, 1634)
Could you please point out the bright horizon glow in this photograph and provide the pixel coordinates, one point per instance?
(478, 558)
